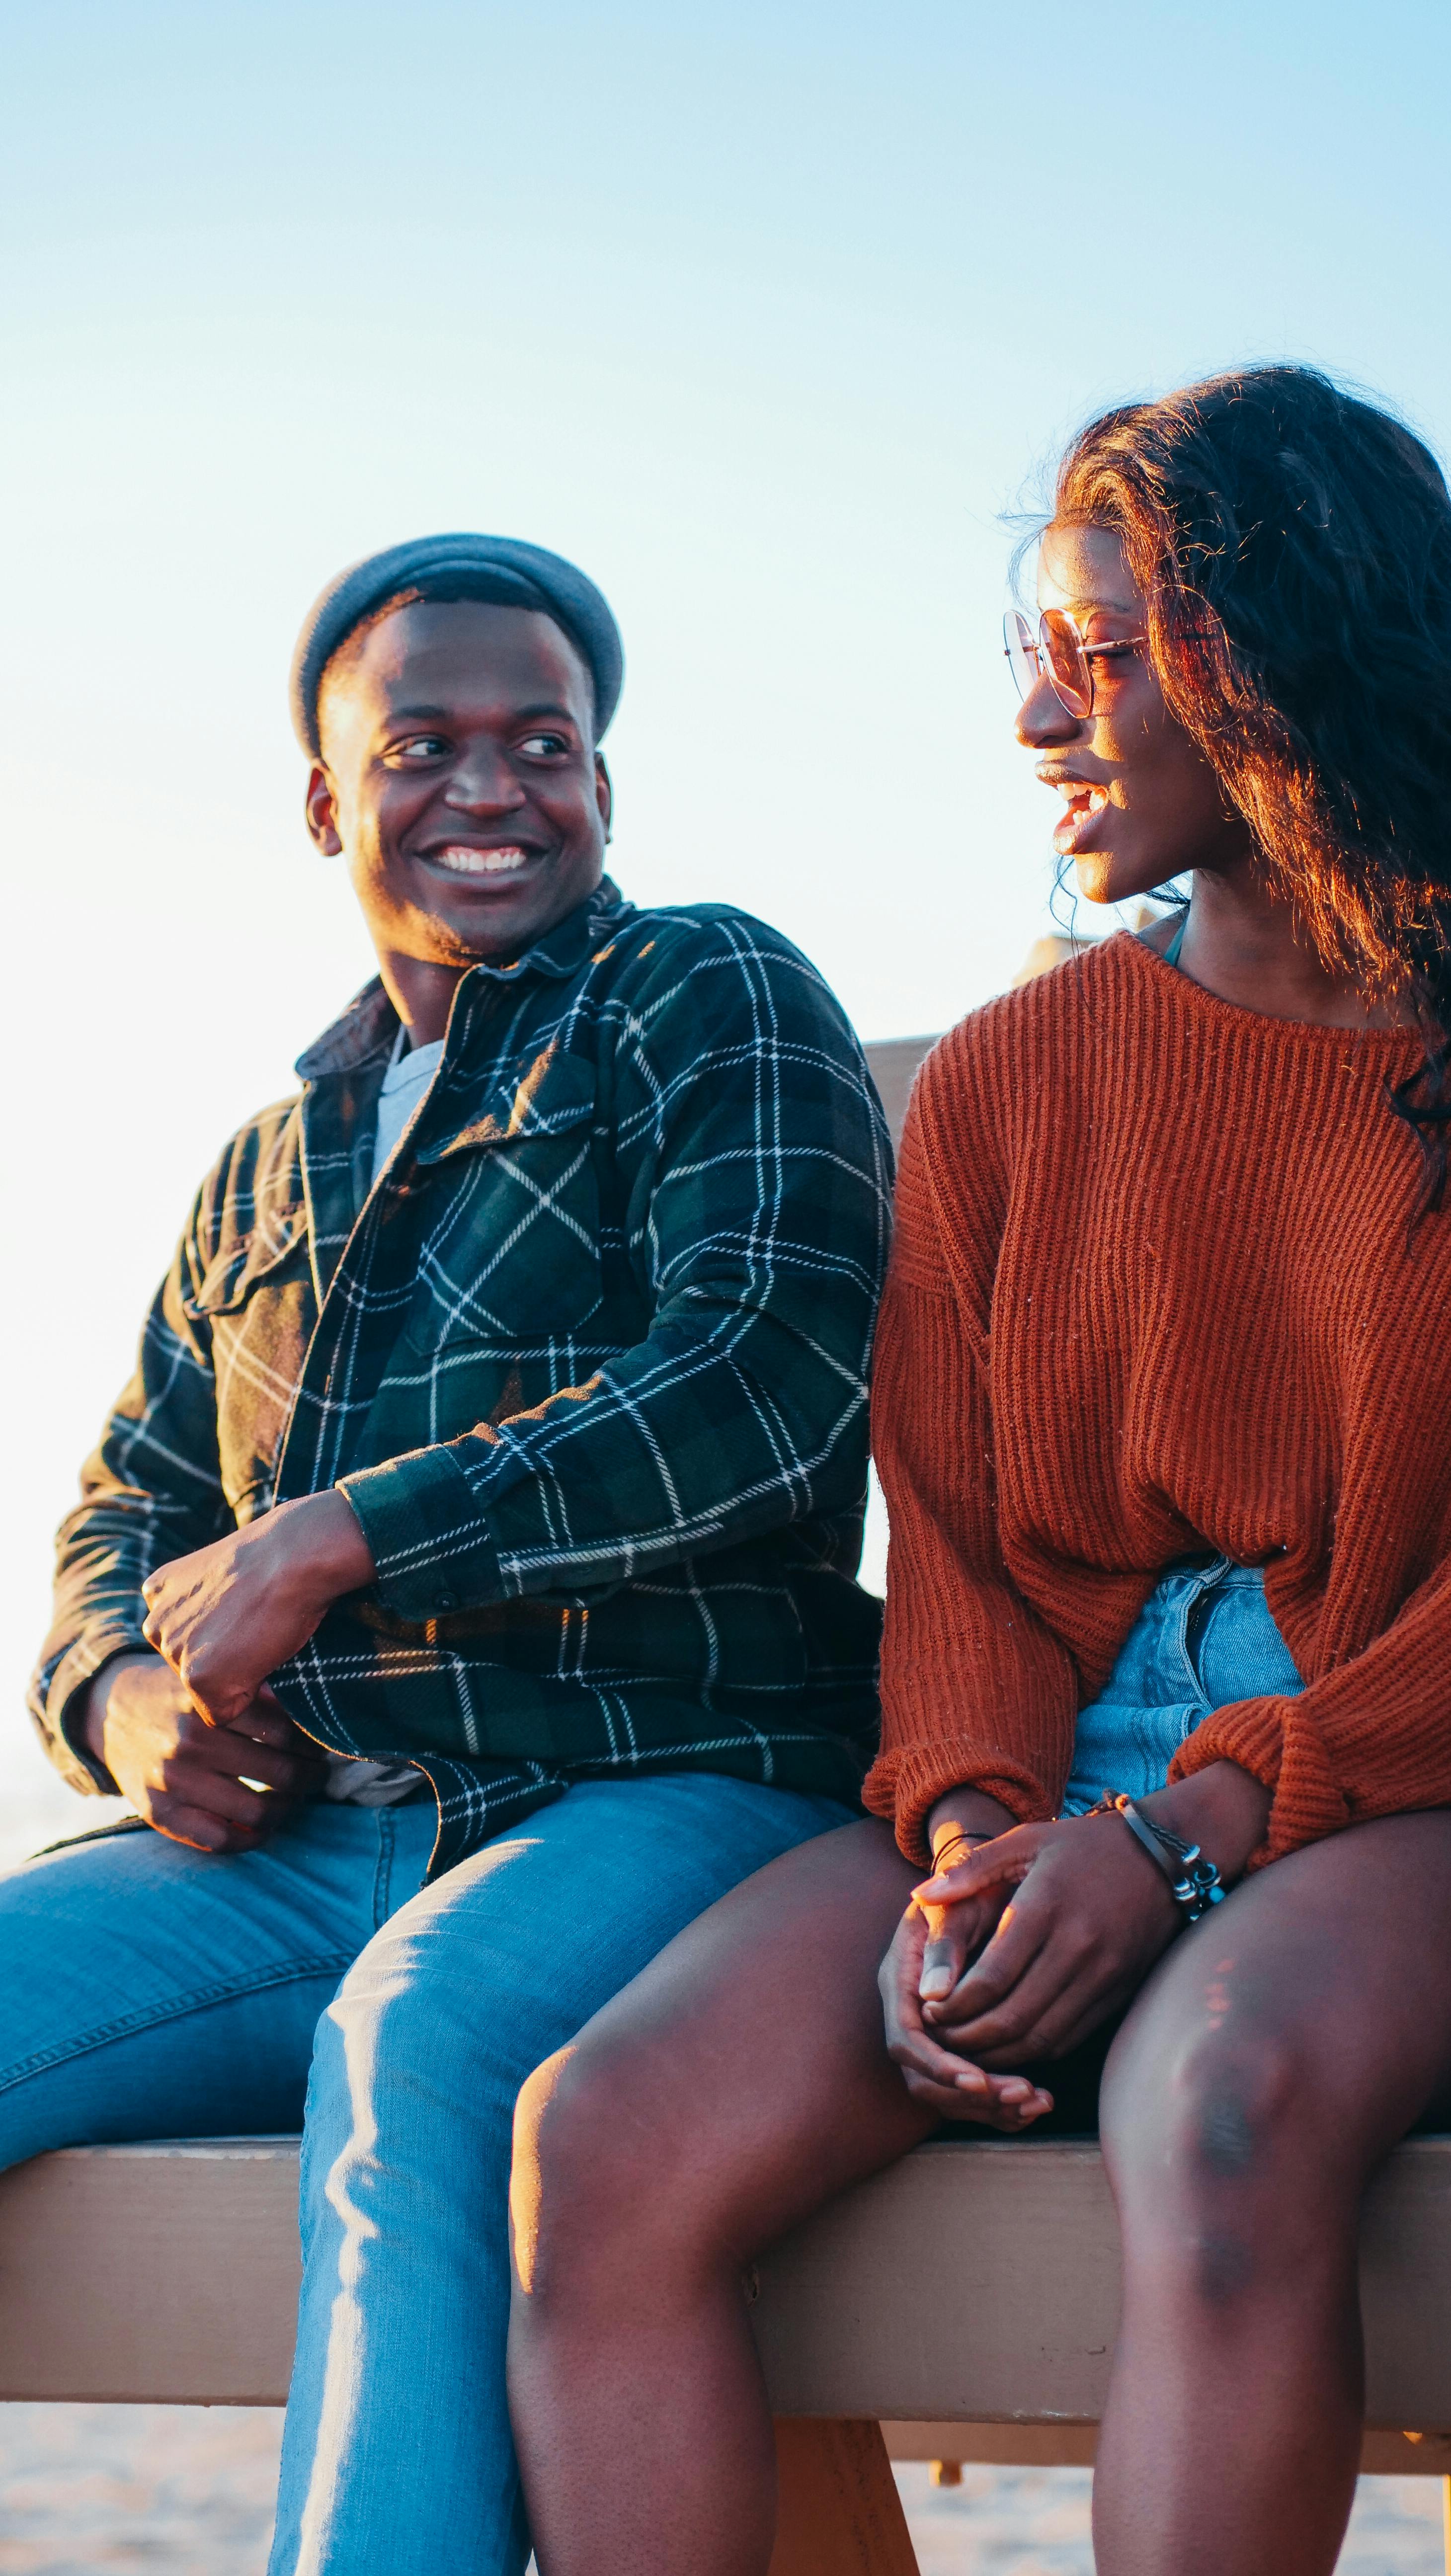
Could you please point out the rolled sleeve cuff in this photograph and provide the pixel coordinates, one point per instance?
(905, 1783)
(65, 1703)
(432, 1550)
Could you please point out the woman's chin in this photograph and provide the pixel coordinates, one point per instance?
(1101, 877)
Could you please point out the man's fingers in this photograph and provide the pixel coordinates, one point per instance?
(266, 1721)
(200, 1830)
(184, 1782)
(230, 1755)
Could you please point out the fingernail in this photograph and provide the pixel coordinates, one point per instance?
(935, 1986)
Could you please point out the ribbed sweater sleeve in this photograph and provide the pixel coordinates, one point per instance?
(976, 1690)
(1372, 1738)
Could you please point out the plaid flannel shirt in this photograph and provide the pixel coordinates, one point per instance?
(589, 1362)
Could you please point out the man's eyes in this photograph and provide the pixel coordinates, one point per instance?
(416, 747)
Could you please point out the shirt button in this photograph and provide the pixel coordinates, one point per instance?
(445, 1600)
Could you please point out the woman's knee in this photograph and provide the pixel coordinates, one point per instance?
(1225, 2167)
(597, 2190)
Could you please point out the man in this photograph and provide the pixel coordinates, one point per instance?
(462, 1590)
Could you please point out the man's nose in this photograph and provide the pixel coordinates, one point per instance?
(1044, 719)
(483, 782)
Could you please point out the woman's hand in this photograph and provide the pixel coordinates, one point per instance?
(932, 1947)
(229, 1614)
(1084, 1914)
(935, 2076)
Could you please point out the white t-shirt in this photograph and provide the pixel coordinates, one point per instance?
(349, 1782)
(404, 1084)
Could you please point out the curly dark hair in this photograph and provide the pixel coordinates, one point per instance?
(1293, 545)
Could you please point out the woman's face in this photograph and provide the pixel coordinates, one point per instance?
(1142, 803)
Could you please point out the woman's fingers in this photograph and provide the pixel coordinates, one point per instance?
(1064, 1997)
(1003, 1862)
(1023, 1929)
(954, 1934)
(955, 2091)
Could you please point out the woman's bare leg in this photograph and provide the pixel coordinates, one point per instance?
(1283, 2047)
(735, 2086)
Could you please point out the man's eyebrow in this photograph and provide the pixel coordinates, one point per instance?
(447, 715)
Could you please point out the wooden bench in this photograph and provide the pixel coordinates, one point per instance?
(961, 2307)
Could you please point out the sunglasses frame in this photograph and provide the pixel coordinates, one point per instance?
(1025, 642)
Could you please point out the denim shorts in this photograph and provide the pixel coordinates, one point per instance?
(1204, 1637)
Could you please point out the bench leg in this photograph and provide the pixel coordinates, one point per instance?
(839, 2512)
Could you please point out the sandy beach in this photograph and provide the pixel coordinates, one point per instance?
(187, 2491)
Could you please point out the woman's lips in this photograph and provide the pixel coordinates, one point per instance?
(1083, 805)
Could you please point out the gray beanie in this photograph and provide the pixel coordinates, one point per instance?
(500, 569)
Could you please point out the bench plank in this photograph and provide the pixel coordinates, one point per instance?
(975, 2284)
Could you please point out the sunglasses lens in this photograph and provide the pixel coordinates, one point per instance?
(1067, 669)
(1022, 651)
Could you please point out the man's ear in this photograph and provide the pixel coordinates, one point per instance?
(321, 810)
(604, 795)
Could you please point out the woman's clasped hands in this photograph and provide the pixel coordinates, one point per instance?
(1012, 1952)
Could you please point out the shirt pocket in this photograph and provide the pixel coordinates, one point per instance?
(255, 1299)
(510, 1260)
(244, 1261)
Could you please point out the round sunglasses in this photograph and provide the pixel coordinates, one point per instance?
(1057, 651)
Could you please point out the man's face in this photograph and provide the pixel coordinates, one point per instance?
(459, 778)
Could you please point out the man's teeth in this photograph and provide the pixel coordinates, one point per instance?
(480, 863)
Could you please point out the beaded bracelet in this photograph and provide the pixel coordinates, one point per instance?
(1194, 1882)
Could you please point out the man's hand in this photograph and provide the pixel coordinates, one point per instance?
(228, 1615)
(188, 1778)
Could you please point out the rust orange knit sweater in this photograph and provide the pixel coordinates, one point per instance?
(1154, 1293)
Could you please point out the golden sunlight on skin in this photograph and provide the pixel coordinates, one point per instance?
(1141, 800)
(1143, 806)
(1217, 1995)
(525, 2186)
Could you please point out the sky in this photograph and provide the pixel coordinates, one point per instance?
(773, 317)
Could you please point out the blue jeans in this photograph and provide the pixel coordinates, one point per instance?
(1204, 1637)
(148, 1991)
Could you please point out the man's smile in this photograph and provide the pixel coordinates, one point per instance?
(469, 859)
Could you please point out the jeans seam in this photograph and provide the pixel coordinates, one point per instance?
(383, 1874)
(326, 1963)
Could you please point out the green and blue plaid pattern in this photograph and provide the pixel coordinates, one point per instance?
(590, 1363)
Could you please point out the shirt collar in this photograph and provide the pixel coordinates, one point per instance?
(368, 1028)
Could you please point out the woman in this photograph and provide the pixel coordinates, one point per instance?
(1162, 1402)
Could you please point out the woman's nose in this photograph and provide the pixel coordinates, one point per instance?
(1044, 719)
